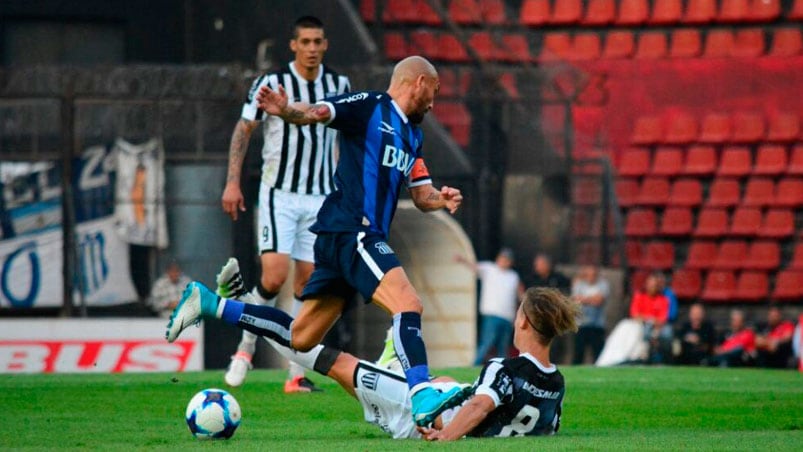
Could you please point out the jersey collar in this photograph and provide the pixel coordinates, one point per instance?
(302, 79)
(544, 369)
(399, 110)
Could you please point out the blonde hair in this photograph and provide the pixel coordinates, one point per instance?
(550, 313)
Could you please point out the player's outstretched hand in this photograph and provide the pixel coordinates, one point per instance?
(272, 102)
(232, 200)
(453, 198)
(433, 434)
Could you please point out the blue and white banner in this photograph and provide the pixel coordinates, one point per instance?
(31, 270)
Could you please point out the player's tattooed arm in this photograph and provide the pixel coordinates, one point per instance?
(276, 103)
(426, 198)
(232, 200)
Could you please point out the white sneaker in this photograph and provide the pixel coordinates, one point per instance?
(196, 300)
(230, 280)
(238, 368)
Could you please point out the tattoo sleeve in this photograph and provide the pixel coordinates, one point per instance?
(237, 150)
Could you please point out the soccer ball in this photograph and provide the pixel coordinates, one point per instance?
(213, 413)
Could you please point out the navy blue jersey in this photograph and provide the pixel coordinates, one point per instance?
(527, 395)
(380, 150)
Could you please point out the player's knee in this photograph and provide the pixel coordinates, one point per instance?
(271, 283)
(302, 342)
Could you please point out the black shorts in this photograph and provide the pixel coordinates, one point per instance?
(346, 262)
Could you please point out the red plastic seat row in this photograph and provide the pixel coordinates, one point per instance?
(745, 222)
(733, 255)
(724, 286)
(716, 128)
(400, 11)
(456, 118)
(658, 191)
(474, 12)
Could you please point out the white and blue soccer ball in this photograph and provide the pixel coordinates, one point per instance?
(213, 413)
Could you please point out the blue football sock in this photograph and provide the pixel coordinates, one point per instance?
(260, 320)
(410, 347)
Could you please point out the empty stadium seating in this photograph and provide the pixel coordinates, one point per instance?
(676, 221)
(788, 286)
(752, 286)
(641, 223)
(720, 286)
(702, 255)
(731, 255)
(686, 192)
(724, 192)
(711, 223)
(667, 161)
(686, 283)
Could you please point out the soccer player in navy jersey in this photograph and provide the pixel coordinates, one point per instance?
(380, 150)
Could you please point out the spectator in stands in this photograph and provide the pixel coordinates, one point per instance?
(544, 275)
(670, 295)
(739, 345)
(499, 294)
(774, 340)
(645, 336)
(696, 338)
(166, 291)
(591, 291)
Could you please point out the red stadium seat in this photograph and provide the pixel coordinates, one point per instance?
(784, 127)
(716, 128)
(770, 160)
(724, 192)
(668, 161)
(618, 44)
(659, 256)
(651, 45)
(788, 286)
(748, 127)
(786, 42)
(427, 15)
(686, 283)
(634, 162)
(637, 280)
(746, 221)
(534, 13)
(586, 47)
(632, 12)
(640, 223)
(752, 286)
(711, 223)
(600, 12)
(647, 130)
(586, 191)
(733, 11)
(700, 11)
(763, 255)
(368, 10)
(796, 262)
(764, 10)
(731, 255)
(682, 129)
(451, 49)
(456, 118)
(701, 255)
(719, 44)
(700, 161)
(626, 192)
(557, 46)
(517, 49)
(666, 11)
(676, 221)
(465, 12)
(735, 161)
(633, 252)
(686, 43)
(795, 167)
(719, 286)
(493, 12)
(395, 46)
(654, 191)
(686, 192)
(402, 11)
(796, 12)
(485, 47)
(789, 193)
(748, 43)
(567, 11)
(778, 224)
(425, 43)
(759, 192)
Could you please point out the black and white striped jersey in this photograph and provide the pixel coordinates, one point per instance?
(527, 395)
(298, 159)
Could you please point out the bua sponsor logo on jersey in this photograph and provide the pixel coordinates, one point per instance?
(397, 158)
(352, 98)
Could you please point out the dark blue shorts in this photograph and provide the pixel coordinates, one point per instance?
(346, 262)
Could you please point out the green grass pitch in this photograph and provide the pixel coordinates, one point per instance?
(629, 408)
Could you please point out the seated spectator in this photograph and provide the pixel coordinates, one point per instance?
(696, 338)
(166, 291)
(739, 345)
(645, 336)
(591, 291)
(670, 295)
(545, 275)
(774, 340)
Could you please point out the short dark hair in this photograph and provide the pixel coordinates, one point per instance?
(306, 22)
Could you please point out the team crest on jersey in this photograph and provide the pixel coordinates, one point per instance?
(369, 380)
(383, 248)
(352, 98)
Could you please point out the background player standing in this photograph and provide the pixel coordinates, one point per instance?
(297, 174)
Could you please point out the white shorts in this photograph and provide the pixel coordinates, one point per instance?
(385, 399)
(283, 222)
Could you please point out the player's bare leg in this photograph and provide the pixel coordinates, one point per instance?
(314, 320)
(397, 295)
(296, 377)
